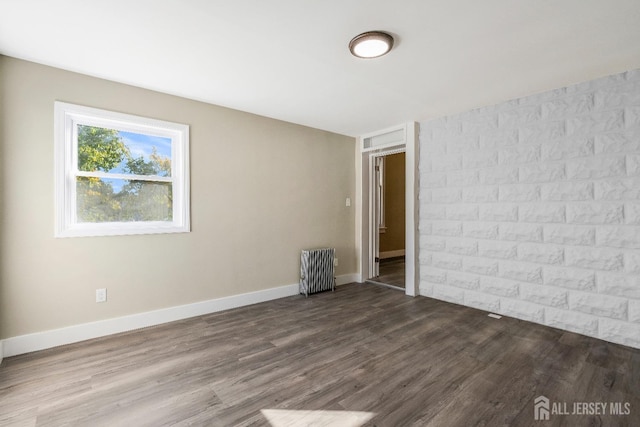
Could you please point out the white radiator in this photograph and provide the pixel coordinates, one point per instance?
(317, 270)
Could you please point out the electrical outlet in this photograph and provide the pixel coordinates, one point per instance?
(101, 295)
(335, 262)
(348, 201)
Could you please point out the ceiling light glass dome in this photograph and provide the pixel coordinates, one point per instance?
(371, 44)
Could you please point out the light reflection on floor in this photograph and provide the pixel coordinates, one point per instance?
(288, 417)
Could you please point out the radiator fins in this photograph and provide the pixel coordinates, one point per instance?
(317, 271)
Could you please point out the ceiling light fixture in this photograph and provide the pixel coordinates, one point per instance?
(371, 44)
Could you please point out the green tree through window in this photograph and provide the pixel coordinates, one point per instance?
(120, 199)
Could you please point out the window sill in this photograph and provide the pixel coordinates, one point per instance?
(121, 229)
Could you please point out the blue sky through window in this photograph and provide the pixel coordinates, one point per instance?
(141, 145)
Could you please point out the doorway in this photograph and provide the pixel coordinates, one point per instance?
(401, 138)
(388, 195)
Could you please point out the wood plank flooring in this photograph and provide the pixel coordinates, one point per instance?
(392, 272)
(389, 358)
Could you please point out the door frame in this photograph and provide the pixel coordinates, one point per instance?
(364, 214)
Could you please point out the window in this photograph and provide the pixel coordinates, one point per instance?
(119, 174)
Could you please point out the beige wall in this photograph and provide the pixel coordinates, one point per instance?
(261, 190)
(394, 203)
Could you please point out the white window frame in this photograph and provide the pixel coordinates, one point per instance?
(67, 118)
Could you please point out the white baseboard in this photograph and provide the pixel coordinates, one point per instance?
(392, 254)
(347, 278)
(71, 334)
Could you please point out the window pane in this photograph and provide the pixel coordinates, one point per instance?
(111, 150)
(119, 200)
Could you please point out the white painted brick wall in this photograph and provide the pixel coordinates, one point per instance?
(618, 189)
(433, 275)
(522, 271)
(434, 212)
(479, 160)
(542, 212)
(446, 195)
(544, 131)
(623, 285)
(573, 148)
(615, 143)
(433, 180)
(572, 278)
(516, 155)
(560, 108)
(599, 122)
(521, 232)
(462, 246)
(632, 262)
(542, 172)
(487, 267)
(595, 213)
(480, 194)
(541, 253)
(460, 212)
(463, 280)
(522, 310)
(446, 228)
(462, 143)
(481, 230)
(569, 234)
(563, 191)
(599, 305)
(463, 178)
(621, 332)
(434, 243)
(618, 237)
(594, 168)
(531, 208)
(634, 311)
(425, 259)
(498, 212)
(447, 261)
(633, 164)
(497, 249)
(632, 115)
(632, 213)
(520, 116)
(446, 163)
(500, 139)
(499, 287)
(448, 293)
(481, 300)
(594, 258)
(545, 295)
(519, 193)
(571, 321)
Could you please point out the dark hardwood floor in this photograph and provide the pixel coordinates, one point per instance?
(389, 358)
(391, 272)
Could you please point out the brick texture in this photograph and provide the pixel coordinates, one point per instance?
(531, 208)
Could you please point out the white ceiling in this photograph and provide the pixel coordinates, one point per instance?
(288, 59)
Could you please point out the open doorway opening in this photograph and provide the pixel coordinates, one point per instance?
(388, 225)
(397, 139)
(391, 231)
